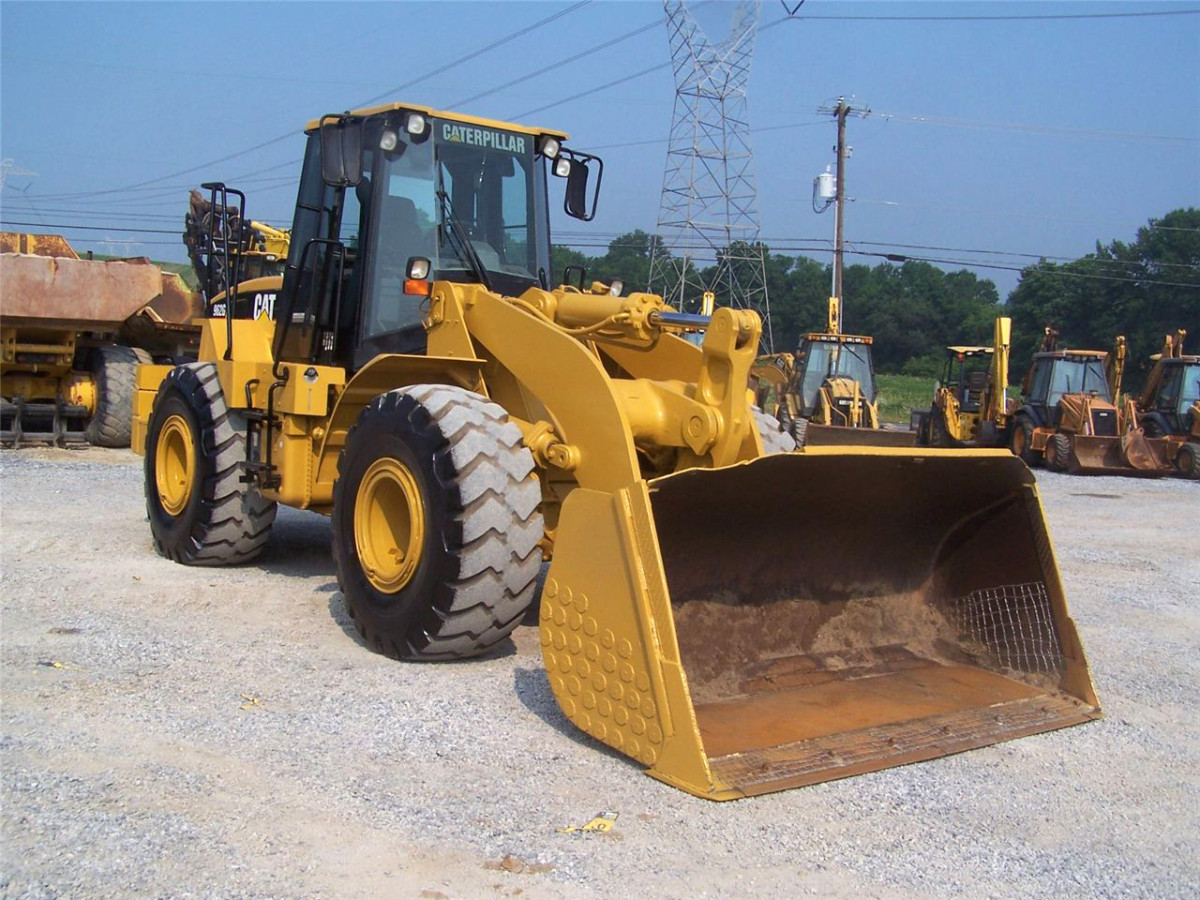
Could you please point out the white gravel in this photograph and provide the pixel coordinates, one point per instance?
(176, 732)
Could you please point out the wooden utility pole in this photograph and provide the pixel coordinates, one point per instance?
(841, 112)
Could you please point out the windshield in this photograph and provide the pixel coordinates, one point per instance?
(497, 194)
(830, 359)
(1186, 385)
(1191, 388)
(1077, 376)
(495, 189)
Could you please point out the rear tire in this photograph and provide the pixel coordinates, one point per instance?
(200, 513)
(939, 435)
(436, 524)
(774, 440)
(799, 430)
(1022, 441)
(1187, 460)
(112, 369)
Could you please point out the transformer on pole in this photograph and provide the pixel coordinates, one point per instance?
(708, 225)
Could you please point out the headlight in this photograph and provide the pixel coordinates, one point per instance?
(549, 146)
(415, 124)
(562, 167)
(388, 141)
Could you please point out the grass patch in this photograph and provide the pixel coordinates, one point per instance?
(900, 394)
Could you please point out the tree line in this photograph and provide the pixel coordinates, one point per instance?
(914, 309)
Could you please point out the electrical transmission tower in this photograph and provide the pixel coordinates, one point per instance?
(708, 223)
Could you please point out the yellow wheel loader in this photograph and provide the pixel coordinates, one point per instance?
(970, 404)
(1169, 405)
(1069, 422)
(460, 418)
(824, 393)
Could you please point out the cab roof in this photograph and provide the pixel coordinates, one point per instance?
(1071, 354)
(837, 338)
(442, 114)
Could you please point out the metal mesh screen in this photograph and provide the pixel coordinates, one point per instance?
(1014, 622)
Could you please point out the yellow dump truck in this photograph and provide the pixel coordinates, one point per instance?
(735, 620)
(73, 330)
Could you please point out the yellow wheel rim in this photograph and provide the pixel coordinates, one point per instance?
(175, 464)
(389, 525)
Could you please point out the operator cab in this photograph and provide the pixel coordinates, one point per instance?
(1059, 373)
(1068, 372)
(966, 375)
(394, 198)
(1179, 391)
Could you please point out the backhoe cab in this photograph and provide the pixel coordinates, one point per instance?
(460, 418)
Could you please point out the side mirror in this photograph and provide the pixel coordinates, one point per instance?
(341, 150)
(576, 168)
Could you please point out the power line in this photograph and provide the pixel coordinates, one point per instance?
(275, 140)
(541, 70)
(1002, 18)
(1026, 128)
(993, 213)
(894, 257)
(94, 227)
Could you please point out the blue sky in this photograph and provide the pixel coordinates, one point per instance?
(1021, 137)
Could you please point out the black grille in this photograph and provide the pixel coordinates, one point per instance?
(1104, 422)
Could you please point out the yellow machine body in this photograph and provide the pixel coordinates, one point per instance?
(737, 623)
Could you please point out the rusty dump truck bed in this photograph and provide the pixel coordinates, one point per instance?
(76, 294)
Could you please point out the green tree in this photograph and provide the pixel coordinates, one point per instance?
(1142, 290)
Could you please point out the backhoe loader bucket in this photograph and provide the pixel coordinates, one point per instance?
(1130, 454)
(817, 435)
(806, 617)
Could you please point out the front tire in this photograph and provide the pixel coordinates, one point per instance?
(436, 524)
(1187, 460)
(1022, 441)
(200, 513)
(1058, 452)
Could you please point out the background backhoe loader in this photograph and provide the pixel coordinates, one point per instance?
(1169, 405)
(459, 418)
(825, 393)
(72, 331)
(970, 404)
(1068, 419)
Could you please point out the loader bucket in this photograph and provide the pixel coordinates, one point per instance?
(806, 617)
(1131, 454)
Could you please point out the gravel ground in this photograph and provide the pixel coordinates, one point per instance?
(175, 732)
